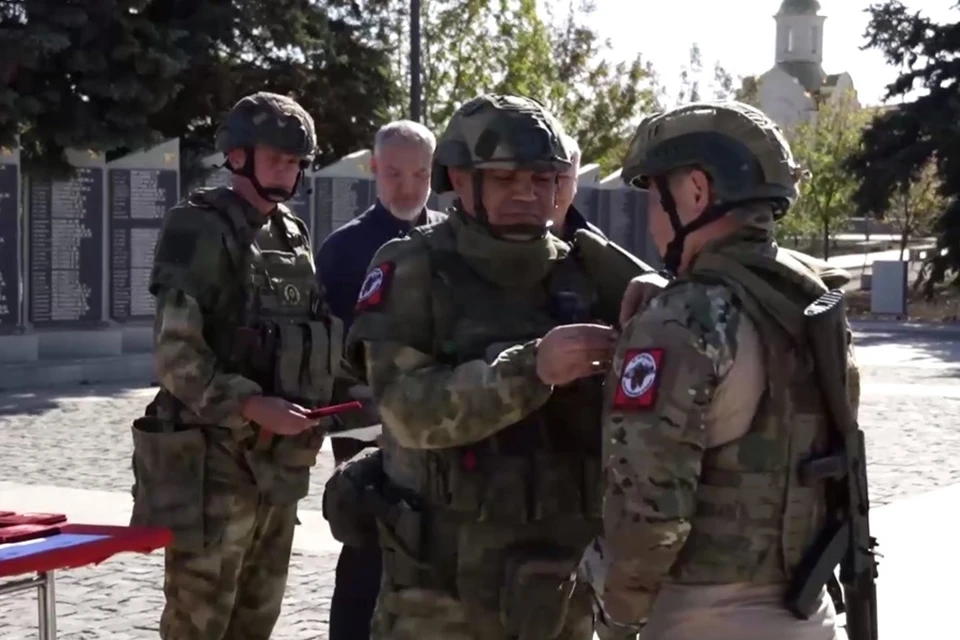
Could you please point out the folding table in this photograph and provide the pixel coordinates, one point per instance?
(65, 546)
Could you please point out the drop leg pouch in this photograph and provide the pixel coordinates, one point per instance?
(169, 474)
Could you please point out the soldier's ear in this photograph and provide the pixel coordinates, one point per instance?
(236, 158)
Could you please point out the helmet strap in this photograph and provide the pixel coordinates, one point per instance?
(506, 232)
(270, 194)
(674, 253)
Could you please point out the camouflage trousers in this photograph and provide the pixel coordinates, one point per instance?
(426, 614)
(233, 587)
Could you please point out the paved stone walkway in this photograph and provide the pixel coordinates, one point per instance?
(79, 439)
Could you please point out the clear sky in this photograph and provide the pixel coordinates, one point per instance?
(740, 35)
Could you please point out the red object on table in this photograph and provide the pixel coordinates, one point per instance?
(105, 541)
(8, 518)
(23, 532)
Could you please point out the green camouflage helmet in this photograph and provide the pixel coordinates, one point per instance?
(495, 131)
(268, 119)
(742, 150)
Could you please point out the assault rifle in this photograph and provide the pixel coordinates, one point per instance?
(846, 539)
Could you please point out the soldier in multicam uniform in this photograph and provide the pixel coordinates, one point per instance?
(483, 336)
(711, 403)
(243, 344)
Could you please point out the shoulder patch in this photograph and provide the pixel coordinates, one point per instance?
(639, 381)
(376, 286)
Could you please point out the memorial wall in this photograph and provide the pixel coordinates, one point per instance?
(77, 253)
(10, 298)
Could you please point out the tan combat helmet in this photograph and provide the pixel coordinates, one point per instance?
(742, 150)
(271, 120)
(496, 131)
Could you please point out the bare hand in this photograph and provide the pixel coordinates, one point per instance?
(574, 351)
(639, 291)
(277, 415)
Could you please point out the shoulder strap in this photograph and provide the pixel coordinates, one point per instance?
(761, 298)
(241, 236)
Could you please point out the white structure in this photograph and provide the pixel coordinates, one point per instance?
(791, 90)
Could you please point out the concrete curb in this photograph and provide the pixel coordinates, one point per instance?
(899, 326)
(136, 369)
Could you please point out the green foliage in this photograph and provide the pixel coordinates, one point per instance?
(823, 146)
(475, 46)
(83, 75)
(903, 140)
(119, 76)
(915, 206)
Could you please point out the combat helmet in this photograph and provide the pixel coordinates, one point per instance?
(738, 146)
(497, 131)
(271, 120)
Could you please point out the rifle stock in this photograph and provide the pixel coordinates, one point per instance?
(846, 539)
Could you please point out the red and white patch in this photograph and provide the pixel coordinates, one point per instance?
(375, 286)
(639, 381)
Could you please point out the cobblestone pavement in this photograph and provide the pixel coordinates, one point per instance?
(79, 438)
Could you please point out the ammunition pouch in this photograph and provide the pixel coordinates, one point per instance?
(297, 361)
(537, 589)
(293, 360)
(169, 468)
(520, 575)
(498, 489)
(347, 503)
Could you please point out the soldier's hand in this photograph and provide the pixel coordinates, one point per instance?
(638, 293)
(277, 415)
(574, 351)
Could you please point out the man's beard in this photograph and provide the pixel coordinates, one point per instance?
(407, 214)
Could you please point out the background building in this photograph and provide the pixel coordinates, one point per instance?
(793, 87)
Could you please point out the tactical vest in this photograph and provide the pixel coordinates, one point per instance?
(545, 467)
(284, 337)
(753, 519)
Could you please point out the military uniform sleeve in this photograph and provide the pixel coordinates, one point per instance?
(191, 263)
(665, 375)
(424, 403)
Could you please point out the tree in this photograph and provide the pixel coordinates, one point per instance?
(475, 46)
(823, 146)
(139, 72)
(325, 54)
(696, 86)
(903, 140)
(915, 206)
(83, 75)
(749, 91)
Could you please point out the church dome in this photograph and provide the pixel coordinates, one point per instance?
(799, 8)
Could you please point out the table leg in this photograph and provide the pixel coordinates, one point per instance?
(47, 606)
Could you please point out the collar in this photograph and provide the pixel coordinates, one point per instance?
(383, 214)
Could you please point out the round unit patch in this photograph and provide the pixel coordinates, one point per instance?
(639, 375)
(291, 294)
(371, 284)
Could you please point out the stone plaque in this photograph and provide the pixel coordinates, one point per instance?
(66, 249)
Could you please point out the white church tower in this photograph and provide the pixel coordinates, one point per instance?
(800, 41)
(791, 90)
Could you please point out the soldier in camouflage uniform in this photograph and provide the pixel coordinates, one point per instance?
(483, 337)
(711, 403)
(243, 345)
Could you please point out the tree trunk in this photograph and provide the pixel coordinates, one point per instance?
(904, 236)
(826, 239)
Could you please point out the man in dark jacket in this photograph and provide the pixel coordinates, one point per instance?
(567, 219)
(401, 160)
